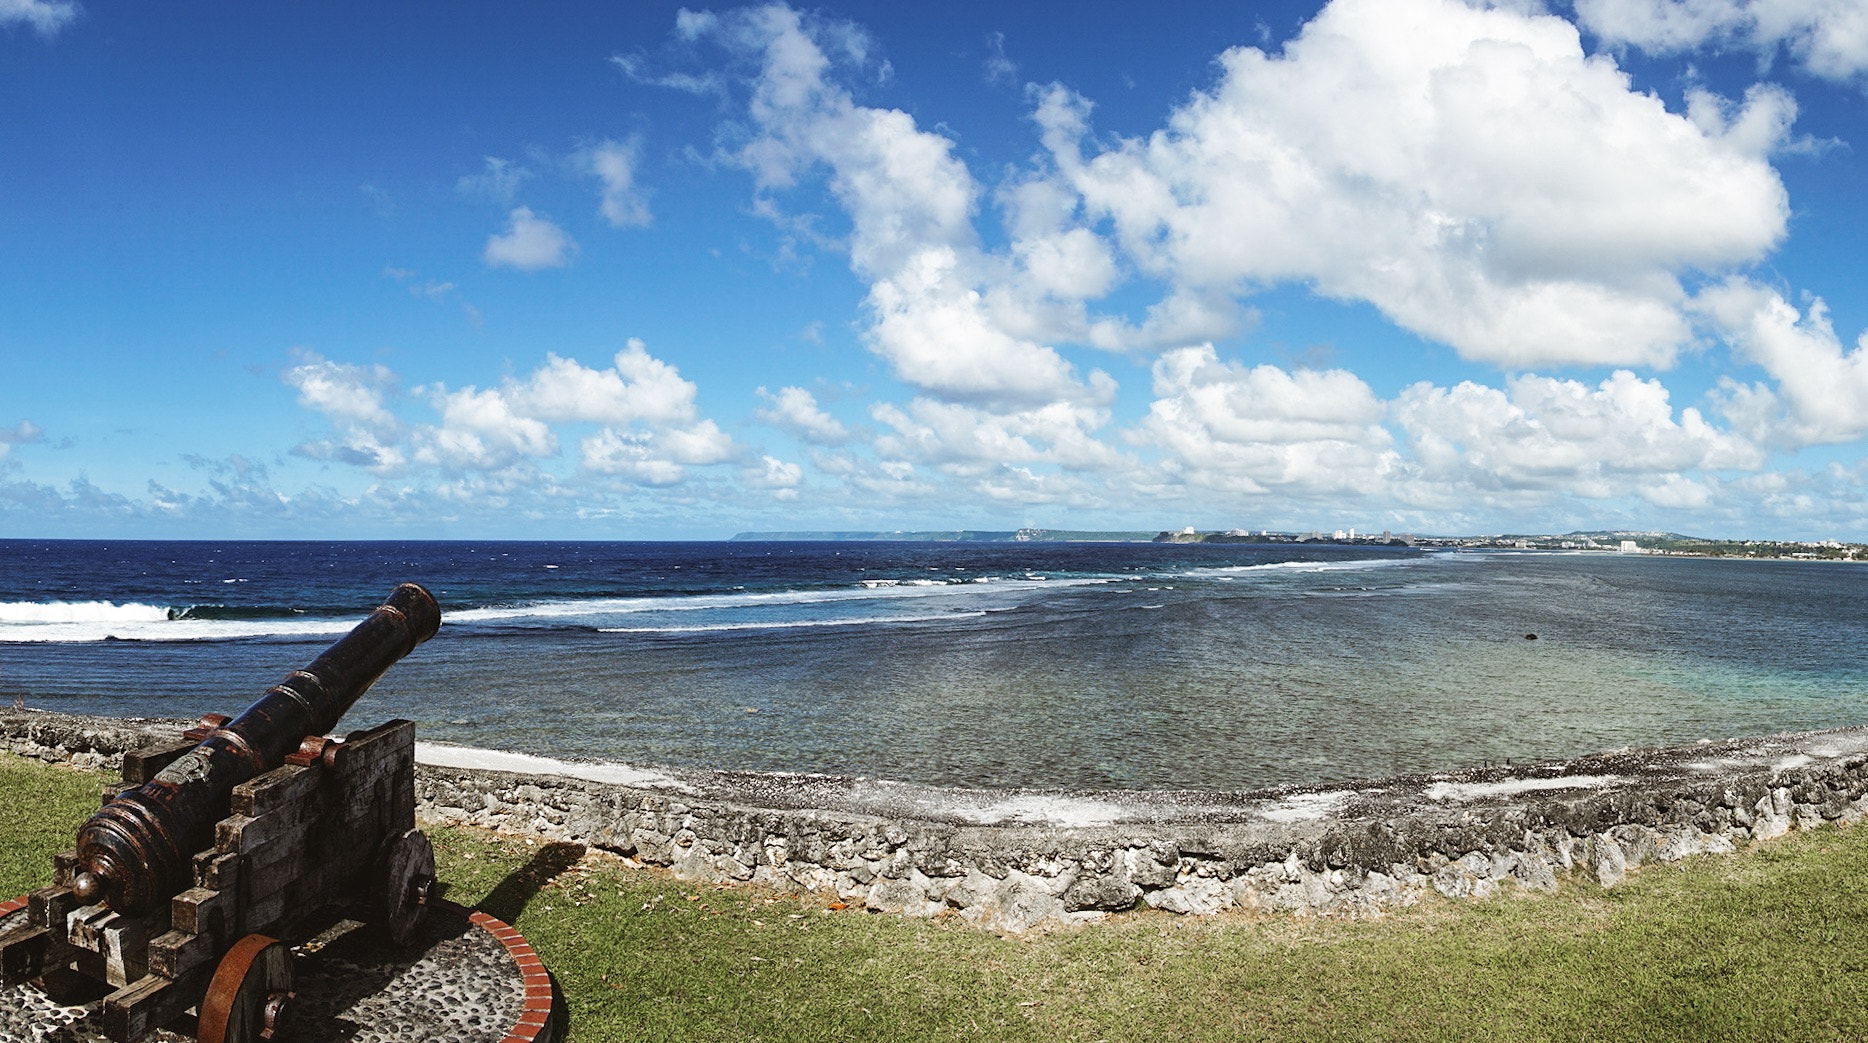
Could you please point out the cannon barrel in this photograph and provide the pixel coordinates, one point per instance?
(136, 851)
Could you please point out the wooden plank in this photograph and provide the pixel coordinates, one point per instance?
(140, 1008)
(118, 941)
(359, 796)
(272, 867)
(85, 926)
(48, 906)
(176, 953)
(89, 964)
(125, 949)
(371, 757)
(199, 910)
(383, 740)
(267, 913)
(278, 788)
(217, 871)
(139, 766)
(24, 953)
(402, 811)
(242, 833)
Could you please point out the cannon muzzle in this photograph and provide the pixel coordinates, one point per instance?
(136, 851)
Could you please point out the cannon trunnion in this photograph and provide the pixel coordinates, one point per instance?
(213, 848)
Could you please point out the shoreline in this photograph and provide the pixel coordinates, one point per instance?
(1013, 859)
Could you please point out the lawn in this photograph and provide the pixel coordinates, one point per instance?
(1768, 944)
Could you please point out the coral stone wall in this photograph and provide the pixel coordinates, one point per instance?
(1013, 860)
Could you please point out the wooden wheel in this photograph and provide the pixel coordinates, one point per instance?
(248, 992)
(405, 875)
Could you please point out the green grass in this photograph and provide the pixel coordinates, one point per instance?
(1770, 944)
(40, 808)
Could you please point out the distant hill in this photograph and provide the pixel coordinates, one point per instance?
(954, 536)
(1649, 542)
(1617, 535)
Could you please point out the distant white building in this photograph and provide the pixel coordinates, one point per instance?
(1630, 547)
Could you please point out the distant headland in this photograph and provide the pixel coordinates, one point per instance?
(1619, 541)
(960, 536)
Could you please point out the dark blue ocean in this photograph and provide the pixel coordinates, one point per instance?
(1036, 664)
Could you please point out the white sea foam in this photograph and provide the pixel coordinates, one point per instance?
(83, 621)
(883, 584)
(447, 755)
(165, 629)
(599, 611)
(697, 628)
(1259, 569)
(1046, 809)
(1464, 791)
(80, 612)
(1306, 807)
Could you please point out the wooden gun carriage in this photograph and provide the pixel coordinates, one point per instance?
(212, 848)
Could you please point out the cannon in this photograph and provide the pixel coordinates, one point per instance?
(212, 847)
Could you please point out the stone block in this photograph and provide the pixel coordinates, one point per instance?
(1107, 892)
(1608, 862)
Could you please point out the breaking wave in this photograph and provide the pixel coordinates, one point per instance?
(853, 602)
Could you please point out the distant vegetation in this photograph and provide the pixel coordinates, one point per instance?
(1598, 539)
(955, 536)
(1674, 543)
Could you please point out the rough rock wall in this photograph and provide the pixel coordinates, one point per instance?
(1303, 851)
(1012, 878)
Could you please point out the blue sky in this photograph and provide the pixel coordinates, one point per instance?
(640, 271)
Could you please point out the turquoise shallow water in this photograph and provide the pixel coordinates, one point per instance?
(1089, 665)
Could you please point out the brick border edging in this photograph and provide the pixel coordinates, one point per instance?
(536, 1022)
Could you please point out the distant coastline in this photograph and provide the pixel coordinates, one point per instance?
(1601, 540)
(953, 536)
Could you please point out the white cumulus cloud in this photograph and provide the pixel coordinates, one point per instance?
(910, 202)
(780, 477)
(795, 409)
(1255, 429)
(1821, 391)
(529, 243)
(498, 180)
(19, 434)
(350, 393)
(46, 17)
(967, 439)
(1467, 170)
(1546, 435)
(356, 400)
(1829, 38)
(657, 457)
(623, 203)
(637, 386)
(648, 425)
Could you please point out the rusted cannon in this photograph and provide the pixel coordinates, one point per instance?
(212, 845)
(136, 850)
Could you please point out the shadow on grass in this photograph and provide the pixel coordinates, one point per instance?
(509, 898)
